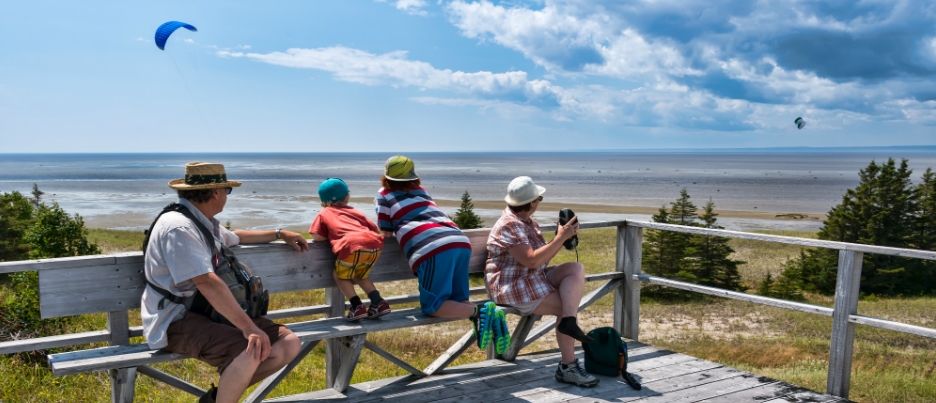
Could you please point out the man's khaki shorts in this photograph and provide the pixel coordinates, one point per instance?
(217, 344)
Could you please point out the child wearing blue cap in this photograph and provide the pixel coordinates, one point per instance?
(357, 243)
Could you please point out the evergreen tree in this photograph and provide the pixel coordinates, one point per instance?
(37, 195)
(712, 264)
(881, 210)
(465, 217)
(15, 218)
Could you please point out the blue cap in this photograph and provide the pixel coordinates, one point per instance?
(333, 189)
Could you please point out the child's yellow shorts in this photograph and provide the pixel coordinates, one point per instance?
(357, 264)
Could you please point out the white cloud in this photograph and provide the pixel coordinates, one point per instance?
(189, 41)
(414, 7)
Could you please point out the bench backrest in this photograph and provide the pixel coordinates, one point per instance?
(89, 284)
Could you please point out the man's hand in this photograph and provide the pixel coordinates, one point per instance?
(295, 240)
(258, 343)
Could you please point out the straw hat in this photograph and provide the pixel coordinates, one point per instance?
(522, 190)
(203, 175)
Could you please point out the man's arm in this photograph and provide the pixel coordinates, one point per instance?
(290, 238)
(219, 296)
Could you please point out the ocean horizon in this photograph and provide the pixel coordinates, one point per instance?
(125, 190)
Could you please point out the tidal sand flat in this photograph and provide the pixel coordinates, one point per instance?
(785, 190)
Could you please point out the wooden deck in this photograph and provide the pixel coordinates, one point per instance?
(666, 377)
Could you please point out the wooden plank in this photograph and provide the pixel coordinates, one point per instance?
(268, 384)
(104, 358)
(842, 343)
(627, 297)
(390, 357)
(80, 290)
(718, 292)
(519, 335)
(451, 354)
(171, 380)
(854, 247)
(57, 263)
(349, 361)
(587, 300)
(765, 392)
(42, 343)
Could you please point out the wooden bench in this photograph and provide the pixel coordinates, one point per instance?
(113, 284)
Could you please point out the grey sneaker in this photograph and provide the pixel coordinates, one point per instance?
(575, 375)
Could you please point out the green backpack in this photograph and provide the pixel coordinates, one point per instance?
(607, 355)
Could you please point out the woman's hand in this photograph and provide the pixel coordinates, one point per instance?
(568, 230)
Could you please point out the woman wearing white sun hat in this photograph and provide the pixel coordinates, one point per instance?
(518, 273)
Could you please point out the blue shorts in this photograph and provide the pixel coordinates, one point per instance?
(443, 277)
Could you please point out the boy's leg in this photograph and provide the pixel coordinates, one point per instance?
(366, 284)
(345, 286)
(437, 278)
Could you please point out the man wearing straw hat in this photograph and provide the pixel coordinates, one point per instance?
(178, 259)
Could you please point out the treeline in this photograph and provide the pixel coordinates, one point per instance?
(32, 229)
(698, 259)
(885, 209)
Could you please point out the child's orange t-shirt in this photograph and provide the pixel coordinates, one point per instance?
(347, 229)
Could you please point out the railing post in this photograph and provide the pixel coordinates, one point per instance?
(627, 296)
(843, 332)
(123, 379)
(333, 346)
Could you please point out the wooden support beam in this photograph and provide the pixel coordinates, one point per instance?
(271, 381)
(390, 357)
(451, 354)
(333, 347)
(842, 344)
(122, 379)
(519, 335)
(171, 380)
(349, 361)
(627, 296)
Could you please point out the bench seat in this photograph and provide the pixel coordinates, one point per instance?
(132, 355)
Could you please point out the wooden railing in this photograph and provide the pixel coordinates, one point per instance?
(844, 313)
(626, 295)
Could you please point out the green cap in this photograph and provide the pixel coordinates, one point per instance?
(400, 168)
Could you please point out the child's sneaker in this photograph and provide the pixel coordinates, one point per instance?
(379, 310)
(483, 324)
(575, 375)
(501, 332)
(357, 313)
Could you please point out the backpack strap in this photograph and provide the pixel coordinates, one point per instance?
(205, 232)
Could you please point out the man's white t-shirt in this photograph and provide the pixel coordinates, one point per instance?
(176, 253)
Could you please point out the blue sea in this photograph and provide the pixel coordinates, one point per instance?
(126, 190)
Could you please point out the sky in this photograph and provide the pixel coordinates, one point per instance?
(465, 75)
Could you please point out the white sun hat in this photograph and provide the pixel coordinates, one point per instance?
(522, 190)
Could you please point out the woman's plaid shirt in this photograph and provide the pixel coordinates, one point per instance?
(507, 281)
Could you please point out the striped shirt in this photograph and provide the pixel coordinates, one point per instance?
(421, 228)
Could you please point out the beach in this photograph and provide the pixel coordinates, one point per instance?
(751, 190)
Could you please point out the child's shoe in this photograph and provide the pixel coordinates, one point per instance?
(357, 313)
(376, 311)
(501, 332)
(483, 324)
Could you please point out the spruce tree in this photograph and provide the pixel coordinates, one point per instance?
(465, 217)
(713, 265)
(881, 210)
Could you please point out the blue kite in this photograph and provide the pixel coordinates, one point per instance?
(164, 30)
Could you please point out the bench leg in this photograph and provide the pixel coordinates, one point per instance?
(519, 336)
(122, 382)
(271, 381)
(349, 360)
(451, 354)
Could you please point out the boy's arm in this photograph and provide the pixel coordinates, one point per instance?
(319, 238)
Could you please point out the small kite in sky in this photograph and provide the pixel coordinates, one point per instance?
(164, 30)
(800, 123)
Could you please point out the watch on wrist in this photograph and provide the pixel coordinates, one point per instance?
(278, 233)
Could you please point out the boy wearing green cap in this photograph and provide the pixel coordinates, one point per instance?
(357, 243)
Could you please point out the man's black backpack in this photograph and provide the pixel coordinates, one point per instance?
(607, 355)
(247, 289)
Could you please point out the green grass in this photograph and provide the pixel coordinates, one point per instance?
(785, 345)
